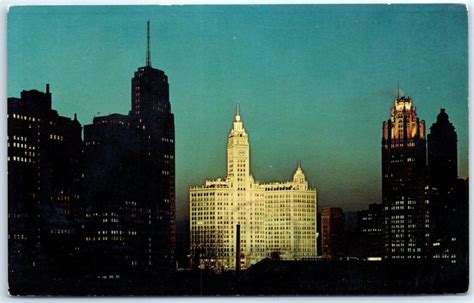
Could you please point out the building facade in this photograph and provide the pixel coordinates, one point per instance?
(332, 233)
(404, 187)
(130, 183)
(276, 219)
(44, 186)
(370, 231)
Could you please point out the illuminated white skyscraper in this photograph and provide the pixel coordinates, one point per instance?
(277, 218)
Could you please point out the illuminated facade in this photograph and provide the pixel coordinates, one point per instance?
(405, 204)
(290, 224)
(276, 218)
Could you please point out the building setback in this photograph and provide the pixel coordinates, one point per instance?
(44, 183)
(405, 206)
(276, 219)
(332, 232)
(130, 183)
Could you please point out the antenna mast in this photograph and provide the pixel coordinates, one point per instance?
(148, 59)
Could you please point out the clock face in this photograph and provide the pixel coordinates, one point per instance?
(241, 153)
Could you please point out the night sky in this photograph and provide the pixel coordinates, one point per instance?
(314, 82)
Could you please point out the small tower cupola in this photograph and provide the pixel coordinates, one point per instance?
(298, 176)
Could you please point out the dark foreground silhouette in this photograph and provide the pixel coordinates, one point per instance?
(270, 277)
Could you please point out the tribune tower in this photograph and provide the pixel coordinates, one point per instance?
(405, 207)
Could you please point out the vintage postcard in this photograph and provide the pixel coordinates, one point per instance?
(205, 150)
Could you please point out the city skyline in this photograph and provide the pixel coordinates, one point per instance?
(324, 114)
(100, 207)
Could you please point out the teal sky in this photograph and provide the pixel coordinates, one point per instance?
(314, 82)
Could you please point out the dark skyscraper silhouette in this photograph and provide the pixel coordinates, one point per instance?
(442, 154)
(153, 124)
(448, 206)
(405, 209)
(130, 183)
(44, 183)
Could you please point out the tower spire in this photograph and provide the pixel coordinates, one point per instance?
(148, 59)
(237, 113)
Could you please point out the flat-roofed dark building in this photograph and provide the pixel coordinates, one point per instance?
(332, 231)
(44, 191)
(370, 232)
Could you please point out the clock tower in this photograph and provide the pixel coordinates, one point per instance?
(238, 154)
(236, 215)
